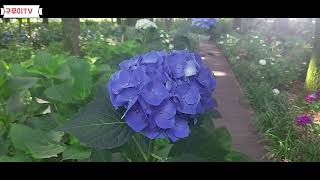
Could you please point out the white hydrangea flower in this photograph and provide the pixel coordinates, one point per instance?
(276, 92)
(263, 62)
(278, 43)
(237, 57)
(171, 46)
(227, 35)
(144, 24)
(161, 35)
(263, 45)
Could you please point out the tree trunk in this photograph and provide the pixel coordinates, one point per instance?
(71, 33)
(20, 23)
(5, 20)
(45, 22)
(313, 73)
(119, 21)
(132, 21)
(168, 23)
(29, 27)
(236, 24)
(282, 24)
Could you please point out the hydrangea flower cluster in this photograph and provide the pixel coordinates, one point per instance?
(205, 23)
(162, 92)
(145, 24)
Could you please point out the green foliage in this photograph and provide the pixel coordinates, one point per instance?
(286, 56)
(37, 143)
(76, 152)
(98, 125)
(54, 107)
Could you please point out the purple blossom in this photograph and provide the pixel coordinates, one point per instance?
(162, 92)
(302, 120)
(310, 97)
(318, 94)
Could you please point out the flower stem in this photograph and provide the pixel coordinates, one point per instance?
(140, 149)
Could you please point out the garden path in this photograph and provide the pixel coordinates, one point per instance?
(235, 110)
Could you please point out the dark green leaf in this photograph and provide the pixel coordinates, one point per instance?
(82, 83)
(48, 65)
(63, 72)
(211, 145)
(62, 92)
(187, 158)
(164, 152)
(3, 74)
(216, 114)
(16, 158)
(76, 152)
(45, 122)
(238, 157)
(98, 155)
(134, 148)
(22, 83)
(15, 103)
(118, 157)
(35, 142)
(98, 125)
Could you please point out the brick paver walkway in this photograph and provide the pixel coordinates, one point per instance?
(236, 115)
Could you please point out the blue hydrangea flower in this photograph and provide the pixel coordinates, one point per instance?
(205, 23)
(162, 92)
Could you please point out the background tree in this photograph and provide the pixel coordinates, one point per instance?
(29, 26)
(20, 25)
(6, 20)
(168, 23)
(119, 21)
(236, 23)
(313, 73)
(132, 21)
(281, 24)
(71, 33)
(45, 22)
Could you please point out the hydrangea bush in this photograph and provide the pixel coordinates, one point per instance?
(145, 24)
(162, 92)
(205, 23)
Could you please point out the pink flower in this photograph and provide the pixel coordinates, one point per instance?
(310, 97)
